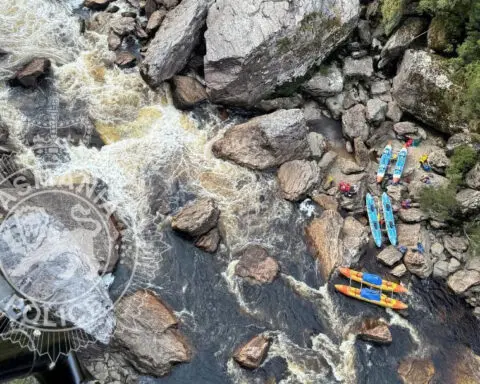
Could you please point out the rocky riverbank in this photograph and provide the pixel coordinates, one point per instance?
(270, 74)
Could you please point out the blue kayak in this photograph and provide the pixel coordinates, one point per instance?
(389, 219)
(373, 219)
(401, 160)
(384, 163)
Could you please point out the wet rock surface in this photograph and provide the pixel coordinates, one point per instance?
(253, 353)
(33, 72)
(197, 218)
(375, 331)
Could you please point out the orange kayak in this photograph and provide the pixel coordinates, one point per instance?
(371, 296)
(372, 280)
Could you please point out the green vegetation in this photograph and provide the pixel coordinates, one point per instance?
(440, 203)
(473, 233)
(284, 45)
(463, 159)
(392, 11)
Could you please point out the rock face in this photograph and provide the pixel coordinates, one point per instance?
(390, 256)
(187, 92)
(327, 82)
(33, 72)
(297, 178)
(147, 334)
(197, 218)
(252, 354)
(256, 264)
(469, 200)
(266, 141)
(376, 331)
(174, 41)
(354, 123)
(422, 87)
(462, 280)
(416, 371)
(285, 39)
(401, 39)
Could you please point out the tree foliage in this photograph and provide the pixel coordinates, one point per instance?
(440, 203)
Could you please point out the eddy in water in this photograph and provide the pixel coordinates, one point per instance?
(173, 194)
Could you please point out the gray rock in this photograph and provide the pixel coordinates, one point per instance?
(354, 123)
(125, 59)
(123, 26)
(472, 179)
(169, 4)
(270, 105)
(349, 167)
(457, 140)
(379, 87)
(401, 40)
(362, 156)
(355, 239)
(30, 75)
(376, 110)
(252, 354)
(405, 128)
(327, 160)
(147, 334)
(187, 92)
(197, 217)
(285, 39)
(209, 241)
(395, 192)
(358, 69)
(313, 113)
(297, 178)
(174, 41)
(423, 88)
(440, 269)
(453, 265)
(255, 264)
(462, 280)
(418, 263)
(114, 41)
(390, 256)
(438, 160)
(327, 82)
(155, 20)
(469, 200)
(399, 270)
(266, 141)
(364, 33)
(409, 235)
(335, 105)
(394, 112)
(473, 264)
(317, 144)
(456, 246)
(97, 5)
(437, 250)
(412, 215)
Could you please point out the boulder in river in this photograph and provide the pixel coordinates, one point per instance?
(462, 280)
(209, 241)
(297, 178)
(376, 331)
(416, 371)
(255, 263)
(266, 141)
(422, 87)
(197, 218)
(97, 5)
(125, 59)
(174, 41)
(30, 75)
(252, 354)
(285, 39)
(187, 92)
(147, 334)
(469, 201)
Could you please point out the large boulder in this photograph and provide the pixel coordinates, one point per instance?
(297, 178)
(187, 92)
(401, 39)
(355, 239)
(266, 141)
(354, 123)
(412, 215)
(422, 87)
(147, 334)
(416, 371)
(252, 354)
(409, 235)
(462, 280)
(197, 218)
(256, 264)
(33, 72)
(285, 39)
(469, 201)
(327, 82)
(375, 331)
(174, 41)
(390, 256)
(472, 179)
(358, 68)
(456, 246)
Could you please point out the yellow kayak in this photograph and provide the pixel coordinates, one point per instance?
(372, 280)
(371, 296)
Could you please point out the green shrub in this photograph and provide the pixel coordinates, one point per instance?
(473, 234)
(462, 160)
(392, 12)
(440, 203)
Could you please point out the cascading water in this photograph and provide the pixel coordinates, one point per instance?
(146, 136)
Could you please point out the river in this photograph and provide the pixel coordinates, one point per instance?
(146, 137)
